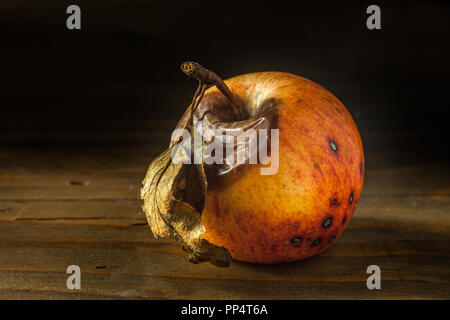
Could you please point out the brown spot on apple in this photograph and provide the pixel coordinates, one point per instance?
(296, 241)
(317, 242)
(329, 100)
(294, 226)
(334, 202)
(327, 222)
(333, 146)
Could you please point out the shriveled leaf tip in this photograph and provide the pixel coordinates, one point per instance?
(174, 195)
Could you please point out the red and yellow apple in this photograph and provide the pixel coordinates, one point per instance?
(303, 208)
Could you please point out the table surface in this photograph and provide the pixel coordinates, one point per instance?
(82, 208)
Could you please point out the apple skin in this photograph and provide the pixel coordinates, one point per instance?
(304, 208)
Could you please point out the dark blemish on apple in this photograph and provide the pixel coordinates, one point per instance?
(344, 219)
(332, 238)
(333, 146)
(328, 99)
(296, 241)
(316, 166)
(327, 222)
(317, 242)
(350, 199)
(299, 100)
(334, 202)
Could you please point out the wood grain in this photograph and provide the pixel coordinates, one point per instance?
(54, 214)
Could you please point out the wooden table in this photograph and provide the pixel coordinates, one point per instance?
(81, 208)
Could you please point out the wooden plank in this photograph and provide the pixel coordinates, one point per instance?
(407, 214)
(123, 182)
(83, 208)
(126, 272)
(403, 257)
(98, 286)
(88, 157)
(356, 240)
(116, 212)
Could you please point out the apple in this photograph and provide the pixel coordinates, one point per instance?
(302, 209)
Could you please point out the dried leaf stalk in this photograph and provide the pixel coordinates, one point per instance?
(174, 193)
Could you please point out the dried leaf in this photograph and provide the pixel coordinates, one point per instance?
(174, 196)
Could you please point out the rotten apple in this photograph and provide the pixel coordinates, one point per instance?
(296, 212)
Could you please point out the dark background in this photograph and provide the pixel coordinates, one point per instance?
(117, 80)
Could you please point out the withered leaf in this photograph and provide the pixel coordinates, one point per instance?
(174, 196)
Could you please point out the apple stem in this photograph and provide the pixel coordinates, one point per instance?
(195, 70)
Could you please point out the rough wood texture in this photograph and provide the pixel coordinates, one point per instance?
(54, 214)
